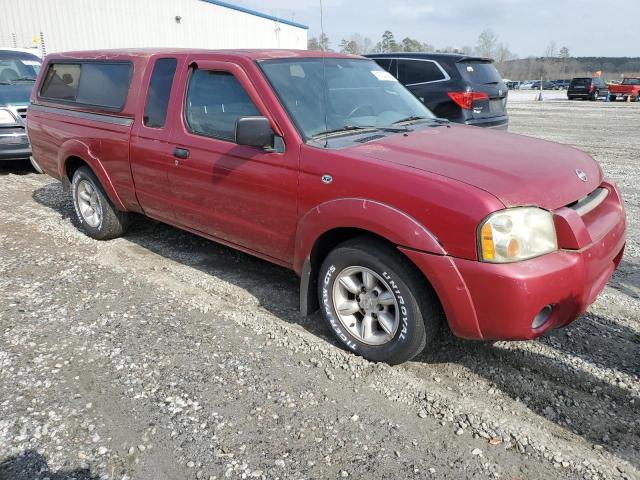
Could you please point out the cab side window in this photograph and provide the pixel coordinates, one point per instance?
(215, 101)
(411, 72)
(155, 110)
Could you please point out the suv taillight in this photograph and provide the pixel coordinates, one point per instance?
(591, 87)
(466, 99)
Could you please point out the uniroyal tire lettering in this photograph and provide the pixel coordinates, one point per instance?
(326, 303)
(403, 309)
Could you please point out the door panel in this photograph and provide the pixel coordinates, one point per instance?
(151, 150)
(239, 194)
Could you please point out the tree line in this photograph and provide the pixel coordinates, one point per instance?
(555, 63)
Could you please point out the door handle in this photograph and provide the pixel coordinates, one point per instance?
(180, 152)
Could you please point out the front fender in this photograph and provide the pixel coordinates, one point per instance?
(381, 219)
(90, 155)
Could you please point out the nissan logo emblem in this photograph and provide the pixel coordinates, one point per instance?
(581, 175)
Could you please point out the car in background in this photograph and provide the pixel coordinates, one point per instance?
(18, 72)
(513, 85)
(591, 88)
(629, 88)
(461, 88)
(526, 85)
(561, 84)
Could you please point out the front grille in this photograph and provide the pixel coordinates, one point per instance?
(22, 111)
(590, 202)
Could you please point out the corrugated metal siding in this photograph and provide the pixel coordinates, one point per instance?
(97, 24)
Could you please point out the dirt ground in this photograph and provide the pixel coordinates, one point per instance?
(161, 355)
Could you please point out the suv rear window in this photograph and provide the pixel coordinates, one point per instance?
(411, 72)
(581, 81)
(97, 84)
(479, 73)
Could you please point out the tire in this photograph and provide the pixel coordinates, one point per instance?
(106, 222)
(35, 166)
(571, 98)
(410, 309)
(595, 96)
(612, 98)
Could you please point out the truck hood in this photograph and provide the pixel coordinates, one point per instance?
(16, 94)
(518, 170)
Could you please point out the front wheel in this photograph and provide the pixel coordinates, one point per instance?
(595, 96)
(376, 302)
(97, 215)
(612, 98)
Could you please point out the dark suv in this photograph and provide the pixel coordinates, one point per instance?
(587, 87)
(461, 88)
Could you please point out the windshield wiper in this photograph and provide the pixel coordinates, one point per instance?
(23, 79)
(346, 128)
(411, 118)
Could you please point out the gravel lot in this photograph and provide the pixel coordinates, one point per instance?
(162, 355)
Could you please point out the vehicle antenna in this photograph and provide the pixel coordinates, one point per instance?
(324, 79)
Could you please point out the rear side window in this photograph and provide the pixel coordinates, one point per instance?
(97, 84)
(155, 110)
(384, 63)
(61, 82)
(479, 73)
(418, 71)
(215, 101)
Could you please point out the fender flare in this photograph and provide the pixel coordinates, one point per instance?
(378, 218)
(89, 155)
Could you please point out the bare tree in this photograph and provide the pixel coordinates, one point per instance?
(350, 46)
(325, 44)
(550, 52)
(313, 44)
(487, 42)
(564, 58)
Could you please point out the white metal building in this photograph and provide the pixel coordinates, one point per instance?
(62, 25)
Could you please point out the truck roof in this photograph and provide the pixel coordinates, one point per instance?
(251, 54)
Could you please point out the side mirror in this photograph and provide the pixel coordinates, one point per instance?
(254, 132)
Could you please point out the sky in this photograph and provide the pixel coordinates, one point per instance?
(527, 27)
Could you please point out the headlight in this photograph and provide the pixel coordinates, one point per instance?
(7, 118)
(516, 234)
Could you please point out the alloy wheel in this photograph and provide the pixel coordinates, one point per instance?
(366, 306)
(88, 203)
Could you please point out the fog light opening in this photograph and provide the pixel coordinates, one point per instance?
(542, 317)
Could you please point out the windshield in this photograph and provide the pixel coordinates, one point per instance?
(18, 67)
(479, 73)
(351, 93)
(631, 81)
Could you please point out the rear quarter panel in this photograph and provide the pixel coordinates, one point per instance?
(56, 137)
(59, 131)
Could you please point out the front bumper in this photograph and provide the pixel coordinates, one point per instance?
(14, 144)
(500, 302)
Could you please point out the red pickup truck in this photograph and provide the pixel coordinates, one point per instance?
(394, 219)
(629, 88)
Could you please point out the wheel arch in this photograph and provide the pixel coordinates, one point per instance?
(335, 222)
(74, 154)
